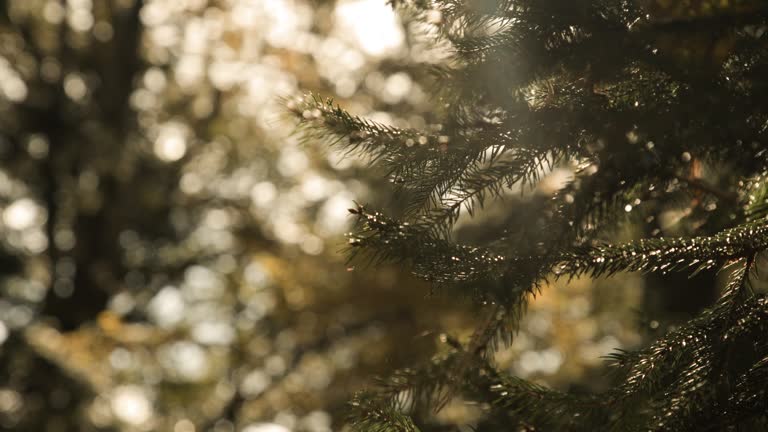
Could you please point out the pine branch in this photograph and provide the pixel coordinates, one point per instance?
(431, 258)
(665, 254)
(322, 120)
(369, 414)
(412, 392)
(687, 368)
(448, 264)
(757, 198)
(521, 167)
(681, 373)
(484, 161)
(547, 409)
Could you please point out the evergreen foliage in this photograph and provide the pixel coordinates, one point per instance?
(655, 103)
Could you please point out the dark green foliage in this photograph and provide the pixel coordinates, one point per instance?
(370, 413)
(658, 105)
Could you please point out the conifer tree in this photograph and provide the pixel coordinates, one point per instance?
(655, 103)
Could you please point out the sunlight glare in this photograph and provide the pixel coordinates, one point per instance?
(372, 25)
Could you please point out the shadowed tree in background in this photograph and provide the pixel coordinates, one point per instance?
(162, 240)
(659, 110)
(55, 134)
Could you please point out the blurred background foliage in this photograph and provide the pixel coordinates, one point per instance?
(170, 249)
